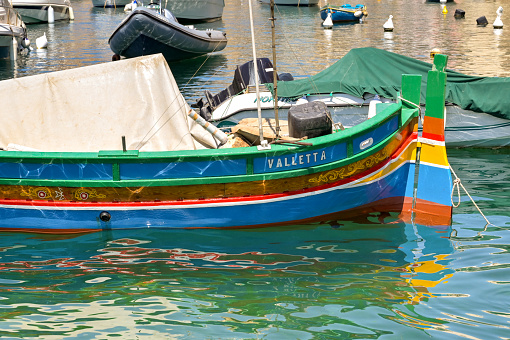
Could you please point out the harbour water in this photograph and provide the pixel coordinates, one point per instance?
(339, 280)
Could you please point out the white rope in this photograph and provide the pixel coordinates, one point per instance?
(457, 184)
(413, 104)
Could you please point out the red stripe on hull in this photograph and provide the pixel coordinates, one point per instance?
(439, 138)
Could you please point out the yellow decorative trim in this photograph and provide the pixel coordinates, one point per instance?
(351, 169)
(36, 193)
(85, 194)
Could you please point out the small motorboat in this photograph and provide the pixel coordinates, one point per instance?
(344, 13)
(12, 31)
(40, 11)
(292, 2)
(150, 30)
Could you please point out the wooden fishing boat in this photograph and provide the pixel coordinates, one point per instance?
(148, 31)
(141, 162)
(344, 13)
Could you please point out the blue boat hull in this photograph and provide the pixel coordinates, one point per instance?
(345, 13)
(322, 205)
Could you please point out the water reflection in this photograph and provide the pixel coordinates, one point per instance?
(307, 278)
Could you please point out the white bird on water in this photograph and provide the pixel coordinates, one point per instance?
(498, 23)
(388, 25)
(41, 42)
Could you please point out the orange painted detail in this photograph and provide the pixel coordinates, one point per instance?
(429, 213)
(407, 210)
(433, 126)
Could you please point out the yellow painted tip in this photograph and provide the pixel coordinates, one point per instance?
(445, 10)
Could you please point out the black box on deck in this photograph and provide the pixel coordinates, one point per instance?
(311, 120)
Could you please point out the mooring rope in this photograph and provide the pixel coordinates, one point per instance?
(413, 104)
(457, 184)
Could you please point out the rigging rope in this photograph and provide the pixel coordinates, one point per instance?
(144, 140)
(456, 185)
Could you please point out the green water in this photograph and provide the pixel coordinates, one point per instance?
(359, 280)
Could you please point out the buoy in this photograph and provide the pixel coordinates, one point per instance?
(25, 42)
(71, 13)
(41, 42)
(51, 15)
(459, 14)
(433, 52)
(328, 22)
(357, 14)
(444, 11)
(442, 1)
(498, 24)
(388, 25)
(482, 21)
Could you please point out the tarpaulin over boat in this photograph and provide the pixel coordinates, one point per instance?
(89, 109)
(370, 70)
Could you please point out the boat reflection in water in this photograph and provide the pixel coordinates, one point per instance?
(235, 275)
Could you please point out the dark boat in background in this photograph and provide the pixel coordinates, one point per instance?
(145, 31)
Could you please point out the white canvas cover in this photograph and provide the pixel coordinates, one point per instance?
(90, 108)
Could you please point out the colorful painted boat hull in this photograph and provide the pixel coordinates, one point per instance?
(344, 13)
(369, 168)
(331, 195)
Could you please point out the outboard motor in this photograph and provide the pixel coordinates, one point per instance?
(244, 76)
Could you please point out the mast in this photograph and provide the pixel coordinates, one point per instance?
(263, 143)
(275, 73)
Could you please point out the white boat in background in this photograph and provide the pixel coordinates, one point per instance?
(12, 31)
(195, 10)
(110, 3)
(472, 126)
(292, 2)
(36, 11)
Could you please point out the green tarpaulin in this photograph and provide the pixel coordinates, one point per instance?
(374, 71)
